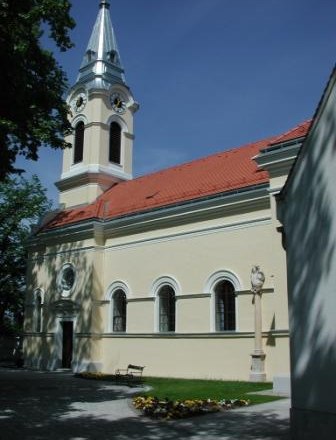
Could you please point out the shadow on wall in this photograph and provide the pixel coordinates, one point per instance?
(44, 349)
(309, 218)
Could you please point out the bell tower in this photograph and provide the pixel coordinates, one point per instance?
(102, 108)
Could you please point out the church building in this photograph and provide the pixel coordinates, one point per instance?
(156, 270)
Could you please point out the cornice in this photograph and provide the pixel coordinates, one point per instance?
(220, 205)
(281, 333)
(87, 175)
(205, 335)
(195, 232)
(72, 233)
(278, 159)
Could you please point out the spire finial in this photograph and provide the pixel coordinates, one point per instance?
(104, 3)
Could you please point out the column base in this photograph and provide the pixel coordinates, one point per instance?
(258, 367)
(257, 377)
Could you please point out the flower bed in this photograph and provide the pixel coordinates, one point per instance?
(178, 409)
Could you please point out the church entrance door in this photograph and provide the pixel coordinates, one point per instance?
(67, 327)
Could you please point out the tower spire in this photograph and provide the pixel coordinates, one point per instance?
(101, 65)
(102, 110)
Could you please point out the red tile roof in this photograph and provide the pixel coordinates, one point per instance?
(295, 133)
(215, 174)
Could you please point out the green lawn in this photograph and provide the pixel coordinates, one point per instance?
(184, 389)
(180, 389)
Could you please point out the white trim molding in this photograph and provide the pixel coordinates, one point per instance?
(164, 280)
(114, 287)
(124, 130)
(65, 290)
(121, 121)
(221, 275)
(156, 286)
(79, 118)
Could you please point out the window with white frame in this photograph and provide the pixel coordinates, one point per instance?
(166, 296)
(119, 307)
(225, 306)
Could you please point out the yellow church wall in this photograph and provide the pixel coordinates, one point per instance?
(44, 268)
(87, 353)
(277, 182)
(191, 261)
(223, 217)
(193, 315)
(82, 194)
(38, 351)
(190, 254)
(140, 317)
(224, 357)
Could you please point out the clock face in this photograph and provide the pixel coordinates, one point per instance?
(79, 102)
(118, 102)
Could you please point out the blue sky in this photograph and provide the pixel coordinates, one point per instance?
(209, 74)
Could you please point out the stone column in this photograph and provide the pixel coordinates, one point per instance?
(258, 356)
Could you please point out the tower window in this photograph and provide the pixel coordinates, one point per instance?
(90, 55)
(225, 306)
(113, 57)
(115, 143)
(79, 142)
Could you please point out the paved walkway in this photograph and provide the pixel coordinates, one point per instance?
(57, 406)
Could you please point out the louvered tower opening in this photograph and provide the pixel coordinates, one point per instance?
(79, 142)
(115, 143)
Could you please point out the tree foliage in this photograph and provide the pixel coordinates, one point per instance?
(22, 203)
(32, 112)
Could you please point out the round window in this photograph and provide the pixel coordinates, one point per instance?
(67, 279)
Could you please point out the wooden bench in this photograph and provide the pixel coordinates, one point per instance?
(132, 375)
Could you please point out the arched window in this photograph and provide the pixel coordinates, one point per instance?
(38, 312)
(225, 306)
(119, 311)
(166, 297)
(115, 143)
(79, 142)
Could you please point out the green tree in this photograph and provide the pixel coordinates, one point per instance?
(22, 203)
(32, 111)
